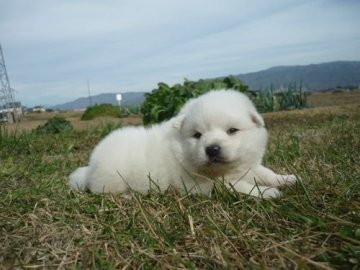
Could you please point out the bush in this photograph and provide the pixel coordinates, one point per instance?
(165, 101)
(55, 125)
(102, 110)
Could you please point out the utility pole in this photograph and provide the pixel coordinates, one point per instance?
(90, 98)
(8, 104)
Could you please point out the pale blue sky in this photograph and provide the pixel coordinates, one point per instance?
(52, 48)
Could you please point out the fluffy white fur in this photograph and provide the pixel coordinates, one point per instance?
(218, 135)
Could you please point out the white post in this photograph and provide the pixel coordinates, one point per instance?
(118, 98)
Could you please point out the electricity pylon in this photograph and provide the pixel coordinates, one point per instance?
(8, 105)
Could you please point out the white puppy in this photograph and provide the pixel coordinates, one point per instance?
(218, 135)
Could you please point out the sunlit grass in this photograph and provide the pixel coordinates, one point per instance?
(314, 225)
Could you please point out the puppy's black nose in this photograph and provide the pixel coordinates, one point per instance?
(212, 150)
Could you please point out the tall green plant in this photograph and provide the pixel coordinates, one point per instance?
(293, 98)
(265, 101)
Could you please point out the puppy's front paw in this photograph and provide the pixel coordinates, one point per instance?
(270, 192)
(290, 179)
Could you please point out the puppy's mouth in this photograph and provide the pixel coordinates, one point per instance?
(214, 155)
(216, 161)
(216, 167)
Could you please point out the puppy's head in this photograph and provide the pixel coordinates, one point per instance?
(221, 130)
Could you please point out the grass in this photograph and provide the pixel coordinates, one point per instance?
(314, 225)
(334, 98)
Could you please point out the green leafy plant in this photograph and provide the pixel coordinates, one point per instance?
(55, 125)
(100, 110)
(165, 101)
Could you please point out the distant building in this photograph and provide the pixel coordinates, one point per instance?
(10, 112)
(39, 109)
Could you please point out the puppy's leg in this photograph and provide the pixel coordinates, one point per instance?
(254, 190)
(267, 177)
(78, 179)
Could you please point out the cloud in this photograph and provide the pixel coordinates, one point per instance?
(53, 47)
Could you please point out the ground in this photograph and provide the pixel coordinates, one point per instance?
(32, 120)
(314, 225)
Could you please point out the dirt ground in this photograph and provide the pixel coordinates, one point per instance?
(33, 120)
(324, 99)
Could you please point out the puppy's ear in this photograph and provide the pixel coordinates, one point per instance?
(257, 119)
(178, 121)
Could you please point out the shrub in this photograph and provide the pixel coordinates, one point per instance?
(99, 110)
(165, 101)
(55, 125)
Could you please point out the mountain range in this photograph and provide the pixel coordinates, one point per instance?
(314, 77)
(127, 99)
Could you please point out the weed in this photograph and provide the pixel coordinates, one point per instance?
(265, 101)
(55, 125)
(293, 98)
(102, 110)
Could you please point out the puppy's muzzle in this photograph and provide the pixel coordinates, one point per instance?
(213, 152)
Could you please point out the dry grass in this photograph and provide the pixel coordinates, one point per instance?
(328, 101)
(334, 98)
(31, 121)
(315, 225)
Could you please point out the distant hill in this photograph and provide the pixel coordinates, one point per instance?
(313, 77)
(128, 99)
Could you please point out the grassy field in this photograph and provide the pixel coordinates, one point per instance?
(314, 225)
(322, 99)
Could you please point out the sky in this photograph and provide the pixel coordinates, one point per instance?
(53, 48)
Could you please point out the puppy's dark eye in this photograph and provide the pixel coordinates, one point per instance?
(197, 135)
(232, 131)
